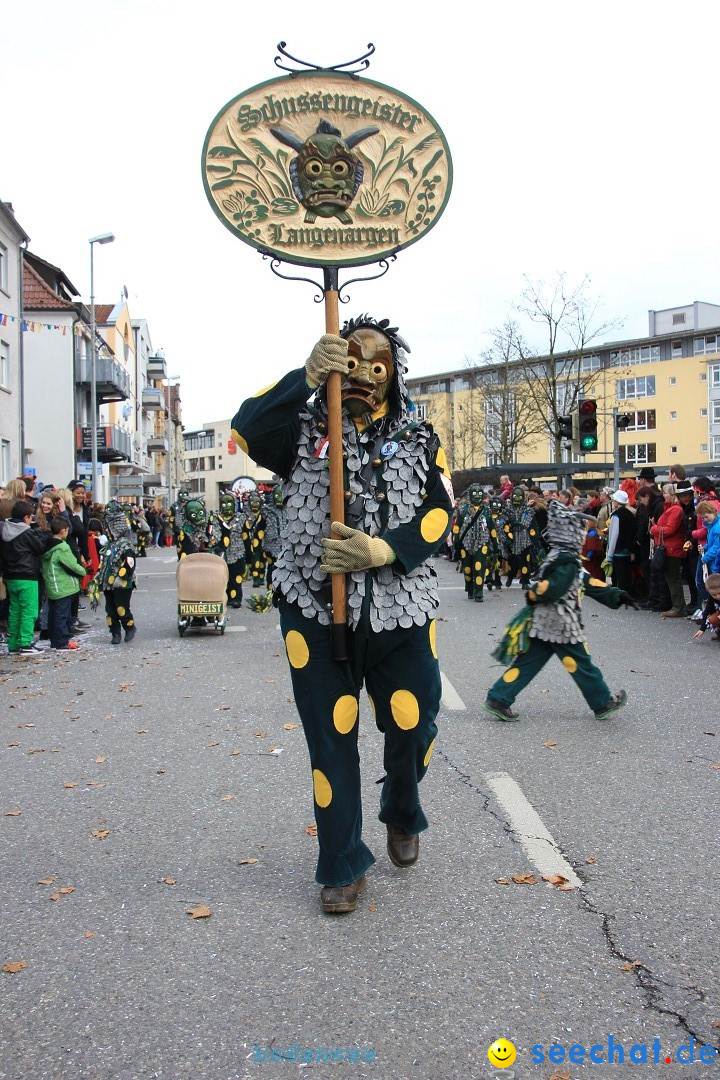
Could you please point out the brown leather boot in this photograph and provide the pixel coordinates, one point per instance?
(340, 899)
(403, 848)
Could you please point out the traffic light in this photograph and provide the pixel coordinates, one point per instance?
(587, 425)
(565, 427)
(623, 421)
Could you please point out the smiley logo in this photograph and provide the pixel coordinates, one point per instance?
(501, 1054)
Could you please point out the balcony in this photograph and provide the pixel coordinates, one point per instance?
(158, 444)
(152, 399)
(111, 379)
(113, 443)
(156, 368)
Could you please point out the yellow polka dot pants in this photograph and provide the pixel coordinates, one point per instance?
(401, 674)
(117, 609)
(474, 568)
(574, 658)
(236, 573)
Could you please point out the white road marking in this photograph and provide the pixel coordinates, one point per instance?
(451, 588)
(235, 629)
(449, 696)
(524, 820)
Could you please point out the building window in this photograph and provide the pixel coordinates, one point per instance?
(643, 354)
(714, 375)
(703, 412)
(642, 421)
(4, 364)
(676, 350)
(590, 363)
(3, 268)
(716, 412)
(715, 447)
(201, 441)
(5, 461)
(673, 380)
(703, 448)
(703, 376)
(673, 449)
(673, 416)
(639, 454)
(678, 318)
(644, 386)
(421, 410)
(706, 344)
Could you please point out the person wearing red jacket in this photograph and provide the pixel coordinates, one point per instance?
(671, 531)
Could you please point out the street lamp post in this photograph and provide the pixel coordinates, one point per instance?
(103, 238)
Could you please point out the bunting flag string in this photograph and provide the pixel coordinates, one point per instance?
(28, 326)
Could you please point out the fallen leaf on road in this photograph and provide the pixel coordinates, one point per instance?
(209, 745)
(95, 784)
(502, 880)
(109, 716)
(311, 830)
(167, 881)
(100, 759)
(275, 750)
(560, 1076)
(11, 744)
(142, 731)
(290, 727)
(713, 766)
(222, 708)
(202, 911)
(234, 753)
(550, 744)
(70, 783)
(65, 891)
(246, 862)
(40, 751)
(89, 934)
(372, 907)
(524, 879)
(260, 734)
(13, 813)
(270, 682)
(48, 880)
(227, 798)
(14, 966)
(137, 705)
(631, 966)
(124, 686)
(591, 859)
(559, 882)
(100, 834)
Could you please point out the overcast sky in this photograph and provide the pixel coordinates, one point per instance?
(584, 139)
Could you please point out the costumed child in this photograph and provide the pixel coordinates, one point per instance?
(116, 575)
(478, 544)
(253, 535)
(551, 623)
(274, 524)
(62, 574)
(226, 541)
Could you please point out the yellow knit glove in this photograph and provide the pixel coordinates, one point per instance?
(329, 354)
(356, 551)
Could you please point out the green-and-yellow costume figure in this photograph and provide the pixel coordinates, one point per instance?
(253, 534)
(551, 624)
(226, 540)
(397, 512)
(176, 517)
(478, 544)
(116, 574)
(194, 533)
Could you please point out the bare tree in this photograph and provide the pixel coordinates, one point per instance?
(570, 317)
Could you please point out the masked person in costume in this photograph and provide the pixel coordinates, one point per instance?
(254, 536)
(398, 511)
(496, 506)
(226, 540)
(177, 517)
(274, 523)
(115, 578)
(551, 624)
(194, 534)
(478, 544)
(519, 537)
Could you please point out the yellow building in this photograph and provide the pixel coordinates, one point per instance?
(667, 386)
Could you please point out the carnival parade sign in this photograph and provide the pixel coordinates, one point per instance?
(326, 169)
(323, 168)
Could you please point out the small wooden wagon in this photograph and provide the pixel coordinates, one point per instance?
(201, 591)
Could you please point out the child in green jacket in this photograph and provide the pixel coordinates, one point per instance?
(62, 574)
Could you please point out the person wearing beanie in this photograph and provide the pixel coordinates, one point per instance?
(620, 542)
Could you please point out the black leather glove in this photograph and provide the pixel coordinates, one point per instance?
(628, 601)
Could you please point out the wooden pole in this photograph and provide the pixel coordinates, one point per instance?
(335, 455)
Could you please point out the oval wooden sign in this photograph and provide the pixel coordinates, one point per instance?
(324, 169)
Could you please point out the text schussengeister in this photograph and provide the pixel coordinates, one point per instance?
(272, 110)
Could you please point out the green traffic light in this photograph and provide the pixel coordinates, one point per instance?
(588, 442)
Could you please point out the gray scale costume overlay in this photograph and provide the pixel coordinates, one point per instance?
(236, 548)
(398, 599)
(275, 521)
(520, 520)
(478, 533)
(561, 621)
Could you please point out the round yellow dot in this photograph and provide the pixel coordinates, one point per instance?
(233, 593)
(467, 571)
(237, 437)
(238, 577)
(532, 532)
(434, 524)
(484, 549)
(493, 534)
(181, 535)
(183, 554)
(226, 541)
(569, 663)
(260, 534)
(463, 553)
(131, 622)
(111, 579)
(597, 583)
(511, 674)
(121, 611)
(122, 571)
(432, 634)
(345, 713)
(108, 620)
(523, 569)
(255, 543)
(542, 587)
(429, 754)
(263, 391)
(297, 649)
(405, 709)
(321, 788)
(478, 581)
(478, 566)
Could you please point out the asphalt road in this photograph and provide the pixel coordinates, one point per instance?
(183, 760)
